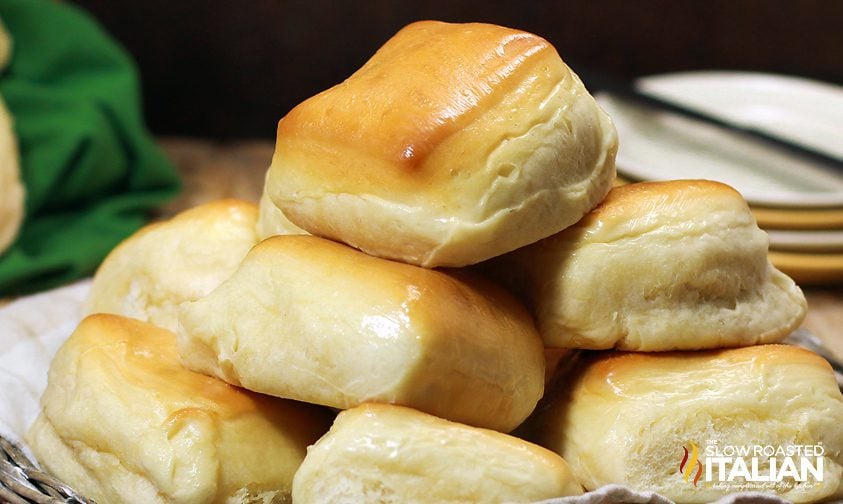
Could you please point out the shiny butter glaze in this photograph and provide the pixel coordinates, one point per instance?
(146, 357)
(427, 82)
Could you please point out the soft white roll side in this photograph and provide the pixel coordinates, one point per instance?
(272, 221)
(627, 418)
(392, 454)
(165, 264)
(320, 322)
(657, 266)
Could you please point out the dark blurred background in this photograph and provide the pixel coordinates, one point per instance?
(229, 69)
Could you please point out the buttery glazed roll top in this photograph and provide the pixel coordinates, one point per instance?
(625, 418)
(123, 421)
(317, 321)
(657, 266)
(453, 144)
(165, 264)
(390, 454)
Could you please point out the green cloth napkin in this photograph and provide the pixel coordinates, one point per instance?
(90, 168)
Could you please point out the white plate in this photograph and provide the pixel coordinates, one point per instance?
(806, 241)
(658, 146)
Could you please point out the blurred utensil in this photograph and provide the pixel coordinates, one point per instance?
(597, 82)
(805, 339)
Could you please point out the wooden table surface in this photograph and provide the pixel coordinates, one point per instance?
(213, 170)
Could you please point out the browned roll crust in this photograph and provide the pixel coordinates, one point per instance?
(123, 421)
(453, 144)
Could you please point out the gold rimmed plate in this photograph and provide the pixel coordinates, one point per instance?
(798, 218)
(809, 269)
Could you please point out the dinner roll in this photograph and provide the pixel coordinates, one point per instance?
(391, 454)
(272, 221)
(656, 421)
(123, 421)
(5, 46)
(317, 321)
(454, 143)
(11, 188)
(657, 266)
(165, 264)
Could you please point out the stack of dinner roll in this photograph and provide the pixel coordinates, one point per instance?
(437, 234)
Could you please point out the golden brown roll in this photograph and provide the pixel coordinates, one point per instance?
(123, 421)
(657, 266)
(11, 188)
(165, 264)
(5, 45)
(317, 321)
(384, 453)
(454, 143)
(663, 422)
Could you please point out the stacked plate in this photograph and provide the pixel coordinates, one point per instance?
(798, 201)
